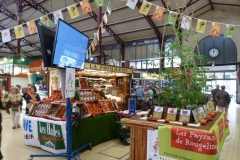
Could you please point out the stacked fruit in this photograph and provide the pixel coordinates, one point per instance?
(104, 106)
(110, 106)
(61, 111)
(83, 109)
(97, 95)
(83, 83)
(94, 108)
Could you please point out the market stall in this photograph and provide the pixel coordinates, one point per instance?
(159, 139)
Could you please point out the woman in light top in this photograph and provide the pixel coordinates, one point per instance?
(15, 99)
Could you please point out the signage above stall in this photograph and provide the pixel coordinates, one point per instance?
(102, 67)
(37, 66)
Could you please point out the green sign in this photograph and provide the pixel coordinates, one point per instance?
(50, 135)
(193, 144)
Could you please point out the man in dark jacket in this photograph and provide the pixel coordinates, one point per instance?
(213, 94)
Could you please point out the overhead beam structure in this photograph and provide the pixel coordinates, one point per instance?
(152, 24)
(210, 1)
(5, 3)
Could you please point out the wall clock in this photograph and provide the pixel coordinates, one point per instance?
(214, 53)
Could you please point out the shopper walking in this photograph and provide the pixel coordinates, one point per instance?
(32, 96)
(213, 95)
(222, 98)
(15, 99)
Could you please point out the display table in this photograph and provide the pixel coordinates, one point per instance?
(51, 135)
(176, 142)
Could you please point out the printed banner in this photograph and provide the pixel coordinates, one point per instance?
(186, 143)
(70, 82)
(45, 20)
(229, 31)
(99, 3)
(86, 7)
(52, 135)
(19, 32)
(172, 18)
(184, 115)
(131, 4)
(186, 22)
(158, 13)
(109, 8)
(215, 29)
(6, 37)
(57, 15)
(73, 11)
(32, 27)
(105, 18)
(30, 131)
(201, 26)
(157, 113)
(145, 7)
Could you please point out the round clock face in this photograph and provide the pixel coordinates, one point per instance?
(214, 53)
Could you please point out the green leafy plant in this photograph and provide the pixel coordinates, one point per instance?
(184, 84)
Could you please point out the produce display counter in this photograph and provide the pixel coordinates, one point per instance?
(51, 135)
(158, 140)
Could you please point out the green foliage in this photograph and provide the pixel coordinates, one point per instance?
(189, 80)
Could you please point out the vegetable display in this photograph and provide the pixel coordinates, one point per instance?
(60, 112)
(83, 83)
(94, 108)
(110, 106)
(104, 106)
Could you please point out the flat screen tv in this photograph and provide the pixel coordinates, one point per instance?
(70, 47)
(46, 38)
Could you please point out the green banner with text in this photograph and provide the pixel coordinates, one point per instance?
(191, 144)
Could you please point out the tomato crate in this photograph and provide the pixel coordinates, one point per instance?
(84, 111)
(111, 106)
(83, 83)
(94, 108)
(104, 105)
(98, 95)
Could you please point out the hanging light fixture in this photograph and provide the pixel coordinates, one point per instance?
(4, 59)
(22, 59)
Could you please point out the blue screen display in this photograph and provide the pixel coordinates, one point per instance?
(70, 47)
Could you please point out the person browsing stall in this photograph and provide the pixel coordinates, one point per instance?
(139, 93)
(15, 100)
(213, 94)
(32, 96)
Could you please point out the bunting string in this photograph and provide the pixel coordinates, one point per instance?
(73, 11)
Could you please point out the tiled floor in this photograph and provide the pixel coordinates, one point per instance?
(13, 147)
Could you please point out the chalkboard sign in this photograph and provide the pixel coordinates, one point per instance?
(136, 75)
(132, 105)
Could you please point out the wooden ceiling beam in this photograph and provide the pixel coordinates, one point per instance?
(226, 4)
(152, 24)
(211, 5)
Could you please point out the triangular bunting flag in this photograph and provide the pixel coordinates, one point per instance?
(99, 3)
(102, 28)
(6, 35)
(186, 22)
(145, 7)
(172, 17)
(96, 35)
(215, 29)
(45, 20)
(93, 47)
(87, 54)
(158, 13)
(90, 51)
(229, 31)
(57, 14)
(201, 26)
(73, 11)
(109, 8)
(95, 41)
(86, 7)
(19, 32)
(32, 27)
(131, 3)
(105, 18)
